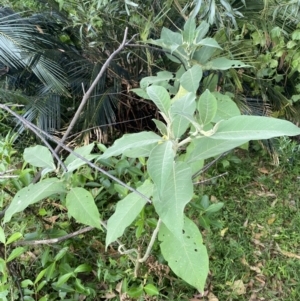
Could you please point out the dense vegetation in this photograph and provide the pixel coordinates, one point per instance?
(172, 87)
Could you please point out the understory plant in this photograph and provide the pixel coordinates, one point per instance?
(159, 168)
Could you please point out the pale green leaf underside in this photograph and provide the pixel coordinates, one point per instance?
(206, 147)
(207, 107)
(191, 78)
(160, 96)
(223, 63)
(170, 203)
(126, 212)
(227, 108)
(186, 255)
(254, 128)
(82, 207)
(160, 163)
(130, 141)
(183, 105)
(32, 194)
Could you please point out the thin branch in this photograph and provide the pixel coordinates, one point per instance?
(210, 179)
(52, 240)
(88, 93)
(37, 131)
(151, 243)
(161, 50)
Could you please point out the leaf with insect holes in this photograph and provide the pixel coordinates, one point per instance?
(185, 253)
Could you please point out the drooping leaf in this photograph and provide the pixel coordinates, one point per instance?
(160, 96)
(39, 156)
(160, 164)
(170, 203)
(254, 128)
(129, 142)
(82, 207)
(185, 105)
(207, 107)
(126, 212)
(186, 254)
(191, 78)
(32, 194)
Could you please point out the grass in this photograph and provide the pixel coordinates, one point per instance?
(256, 254)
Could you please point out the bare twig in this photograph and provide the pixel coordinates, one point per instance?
(36, 131)
(40, 132)
(52, 240)
(88, 93)
(210, 179)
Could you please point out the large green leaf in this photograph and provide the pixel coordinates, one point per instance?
(227, 108)
(160, 164)
(186, 254)
(160, 96)
(39, 156)
(185, 105)
(191, 78)
(170, 203)
(207, 107)
(206, 147)
(32, 194)
(126, 212)
(254, 128)
(129, 142)
(82, 207)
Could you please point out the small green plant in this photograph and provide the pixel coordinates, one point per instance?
(162, 166)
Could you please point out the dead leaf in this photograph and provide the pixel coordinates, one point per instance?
(223, 231)
(287, 254)
(271, 220)
(212, 297)
(263, 170)
(238, 287)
